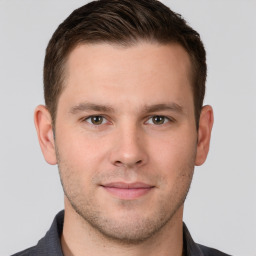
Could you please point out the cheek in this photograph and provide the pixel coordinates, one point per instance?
(79, 147)
(78, 160)
(173, 155)
(82, 158)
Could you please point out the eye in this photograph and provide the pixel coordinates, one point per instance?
(158, 120)
(96, 120)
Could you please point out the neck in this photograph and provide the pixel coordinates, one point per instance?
(80, 238)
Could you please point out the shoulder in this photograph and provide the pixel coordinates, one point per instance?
(27, 252)
(50, 244)
(207, 251)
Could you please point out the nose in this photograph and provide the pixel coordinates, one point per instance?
(129, 148)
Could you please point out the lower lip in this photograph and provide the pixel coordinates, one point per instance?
(128, 194)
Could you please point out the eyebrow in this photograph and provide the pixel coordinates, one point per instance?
(161, 107)
(87, 106)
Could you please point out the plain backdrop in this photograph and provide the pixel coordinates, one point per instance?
(220, 210)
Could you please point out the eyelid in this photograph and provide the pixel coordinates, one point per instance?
(106, 120)
(85, 119)
(167, 119)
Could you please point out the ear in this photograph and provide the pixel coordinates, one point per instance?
(204, 134)
(43, 123)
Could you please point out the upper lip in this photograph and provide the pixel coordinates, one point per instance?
(124, 185)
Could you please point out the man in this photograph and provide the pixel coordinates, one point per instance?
(124, 83)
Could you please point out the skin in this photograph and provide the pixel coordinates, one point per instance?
(145, 131)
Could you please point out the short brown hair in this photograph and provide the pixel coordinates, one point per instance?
(122, 22)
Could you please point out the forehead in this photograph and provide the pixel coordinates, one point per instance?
(115, 57)
(147, 71)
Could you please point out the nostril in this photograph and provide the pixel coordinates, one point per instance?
(118, 163)
(139, 162)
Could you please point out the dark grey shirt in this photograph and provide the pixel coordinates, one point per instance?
(50, 244)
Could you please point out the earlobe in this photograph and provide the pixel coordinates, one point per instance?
(43, 124)
(204, 134)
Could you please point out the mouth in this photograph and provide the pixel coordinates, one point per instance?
(128, 191)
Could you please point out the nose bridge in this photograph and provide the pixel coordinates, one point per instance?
(129, 149)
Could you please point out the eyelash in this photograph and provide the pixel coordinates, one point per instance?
(95, 116)
(166, 120)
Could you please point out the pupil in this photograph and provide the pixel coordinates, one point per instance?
(97, 120)
(158, 120)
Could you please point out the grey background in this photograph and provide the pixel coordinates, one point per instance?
(220, 209)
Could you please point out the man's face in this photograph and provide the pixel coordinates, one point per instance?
(126, 137)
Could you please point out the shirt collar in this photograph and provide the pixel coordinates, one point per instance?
(51, 245)
(189, 246)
